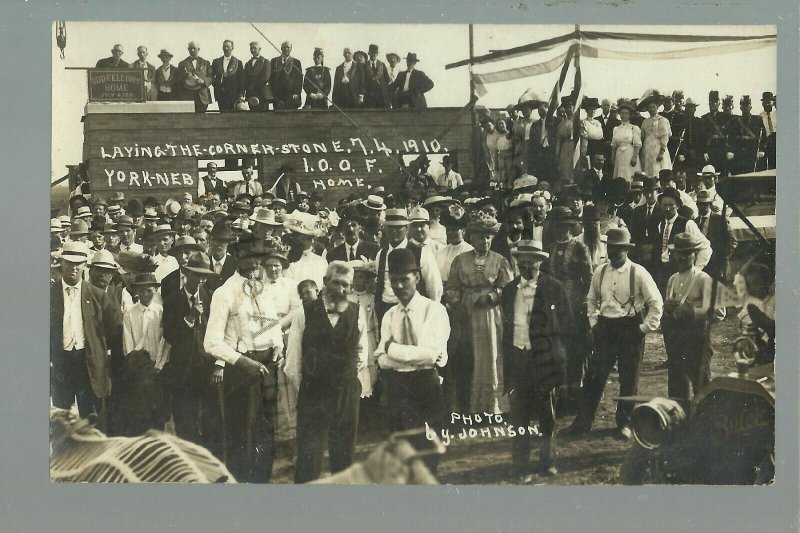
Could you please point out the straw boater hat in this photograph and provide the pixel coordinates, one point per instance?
(529, 248)
(708, 171)
(396, 217)
(103, 259)
(619, 237)
(74, 252)
(183, 244)
(302, 223)
(198, 263)
(163, 229)
(117, 196)
(150, 214)
(375, 203)
(83, 212)
(65, 221)
(419, 214)
(146, 279)
(686, 242)
(265, 216)
(438, 200)
(55, 226)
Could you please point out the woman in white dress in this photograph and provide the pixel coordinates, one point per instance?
(626, 142)
(656, 131)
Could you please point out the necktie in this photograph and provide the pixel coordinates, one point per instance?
(217, 267)
(665, 240)
(352, 255)
(70, 330)
(247, 187)
(700, 222)
(407, 332)
(769, 123)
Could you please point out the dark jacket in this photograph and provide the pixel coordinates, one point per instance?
(417, 87)
(220, 187)
(345, 95)
(187, 359)
(172, 82)
(317, 79)
(108, 62)
(367, 249)
(227, 83)
(191, 88)
(255, 79)
(330, 354)
(376, 85)
(286, 81)
(228, 270)
(100, 317)
(551, 326)
(723, 244)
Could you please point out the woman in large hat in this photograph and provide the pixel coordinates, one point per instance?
(565, 148)
(475, 281)
(656, 131)
(626, 141)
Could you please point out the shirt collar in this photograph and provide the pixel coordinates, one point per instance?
(624, 268)
(401, 245)
(64, 285)
(673, 219)
(413, 304)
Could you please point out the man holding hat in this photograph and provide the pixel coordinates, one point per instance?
(376, 82)
(187, 374)
(227, 77)
(194, 79)
(78, 347)
(685, 324)
(166, 78)
(410, 86)
(430, 282)
(413, 342)
(244, 336)
(624, 305)
(537, 327)
(769, 121)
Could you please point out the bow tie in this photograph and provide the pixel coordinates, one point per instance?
(527, 283)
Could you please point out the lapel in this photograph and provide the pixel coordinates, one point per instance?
(231, 64)
(511, 296)
(87, 309)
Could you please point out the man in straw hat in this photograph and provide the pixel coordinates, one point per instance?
(102, 268)
(413, 343)
(187, 374)
(163, 236)
(685, 324)
(537, 325)
(78, 347)
(430, 283)
(181, 250)
(327, 348)
(624, 304)
(244, 336)
(309, 265)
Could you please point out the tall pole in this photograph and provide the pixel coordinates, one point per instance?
(474, 138)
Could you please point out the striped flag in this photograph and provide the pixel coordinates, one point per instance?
(577, 90)
(555, 96)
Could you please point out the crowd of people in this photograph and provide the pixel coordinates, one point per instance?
(362, 80)
(236, 313)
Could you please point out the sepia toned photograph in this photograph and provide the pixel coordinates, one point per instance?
(381, 254)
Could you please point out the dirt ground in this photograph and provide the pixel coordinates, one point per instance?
(581, 461)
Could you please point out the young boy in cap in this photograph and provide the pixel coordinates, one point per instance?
(537, 327)
(685, 324)
(145, 351)
(412, 344)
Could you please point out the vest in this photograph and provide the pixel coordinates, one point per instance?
(330, 354)
(381, 280)
(679, 226)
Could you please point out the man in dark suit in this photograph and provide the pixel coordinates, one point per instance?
(410, 86)
(376, 81)
(537, 327)
(183, 248)
(195, 78)
(226, 72)
(285, 187)
(718, 231)
(286, 79)
(348, 83)
(353, 247)
(149, 70)
(214, 184)
(115, 61)
(187, 374)
(255, 79)
(643, 219)
(220, 261)
(81, 318)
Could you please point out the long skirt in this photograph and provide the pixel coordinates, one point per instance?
(486, 334)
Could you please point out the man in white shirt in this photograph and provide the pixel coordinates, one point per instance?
(164, 237)
(126, 228)
(624, 305)
(248, 185)
(413, 344)
(430, 285)
(420, 230)
(327, 348)
(244, 335)
(456, 245)
(450, 179)
(310, 265)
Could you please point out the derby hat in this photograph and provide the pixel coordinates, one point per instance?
(373, 49)
(767, 96)
(199, 262)
(686, 242)
(590, 214)
(134, 208)
(561, 215)
(401, 261)
(529, 248)
(222, 232)
(103, 259)
(649, 184)
(183, 244)
(412, 57)
(396, 217)
(671, 192)
(74, 252)
(265, 216)
(145, 279)
(77, 198)
(619, 237)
